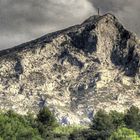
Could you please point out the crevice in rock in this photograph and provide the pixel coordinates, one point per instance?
(65, 55)
(124, 55)
(84, 40)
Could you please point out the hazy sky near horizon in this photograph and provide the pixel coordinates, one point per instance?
(24, 20)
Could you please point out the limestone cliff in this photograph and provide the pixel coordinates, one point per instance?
(74, 72)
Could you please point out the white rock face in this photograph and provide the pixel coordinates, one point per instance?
(74, 72)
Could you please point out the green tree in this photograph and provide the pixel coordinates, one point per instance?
(102, 125)
(102, 121)
(46, 117)
(46, 122)
(117, 119)
(14, 126)
(132, 118)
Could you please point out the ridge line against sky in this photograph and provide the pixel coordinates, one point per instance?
(24, 20)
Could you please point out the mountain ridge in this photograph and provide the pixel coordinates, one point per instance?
(91, 19)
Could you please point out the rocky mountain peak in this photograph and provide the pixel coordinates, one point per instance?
(75, 71)
(95, 18)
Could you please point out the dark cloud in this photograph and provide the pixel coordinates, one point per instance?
(110, 5)
(24, 20)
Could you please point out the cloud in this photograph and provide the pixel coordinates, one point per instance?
(23, 20)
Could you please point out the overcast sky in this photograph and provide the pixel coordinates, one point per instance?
(24, 20)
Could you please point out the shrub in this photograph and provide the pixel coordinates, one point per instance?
(46, 118)
(117, 119)
(132, 118)
(124, 134)
(102, 121)
(103, 125)
(67, 130)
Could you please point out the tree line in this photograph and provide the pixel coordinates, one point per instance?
(105, 126)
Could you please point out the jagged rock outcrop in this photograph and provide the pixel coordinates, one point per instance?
(74, 72)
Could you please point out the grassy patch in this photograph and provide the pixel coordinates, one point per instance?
(67, 130)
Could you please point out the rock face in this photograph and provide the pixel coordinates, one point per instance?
(74, 72)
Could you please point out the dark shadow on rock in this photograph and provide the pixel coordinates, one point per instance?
(84, 40)
(124, 55)
(18, 66)
(81, 93)
(65, 55)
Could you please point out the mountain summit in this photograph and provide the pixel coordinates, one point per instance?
(75, 71)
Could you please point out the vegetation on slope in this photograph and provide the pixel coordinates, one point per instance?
(112, 126)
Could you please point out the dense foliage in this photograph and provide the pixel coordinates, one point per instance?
(124, 134)
(105, 126)
(112, 126)
(14, 126)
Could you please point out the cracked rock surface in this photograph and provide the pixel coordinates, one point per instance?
(75, 71)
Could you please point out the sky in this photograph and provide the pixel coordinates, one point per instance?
(25, 20)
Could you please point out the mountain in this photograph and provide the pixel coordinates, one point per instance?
(75, 71)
